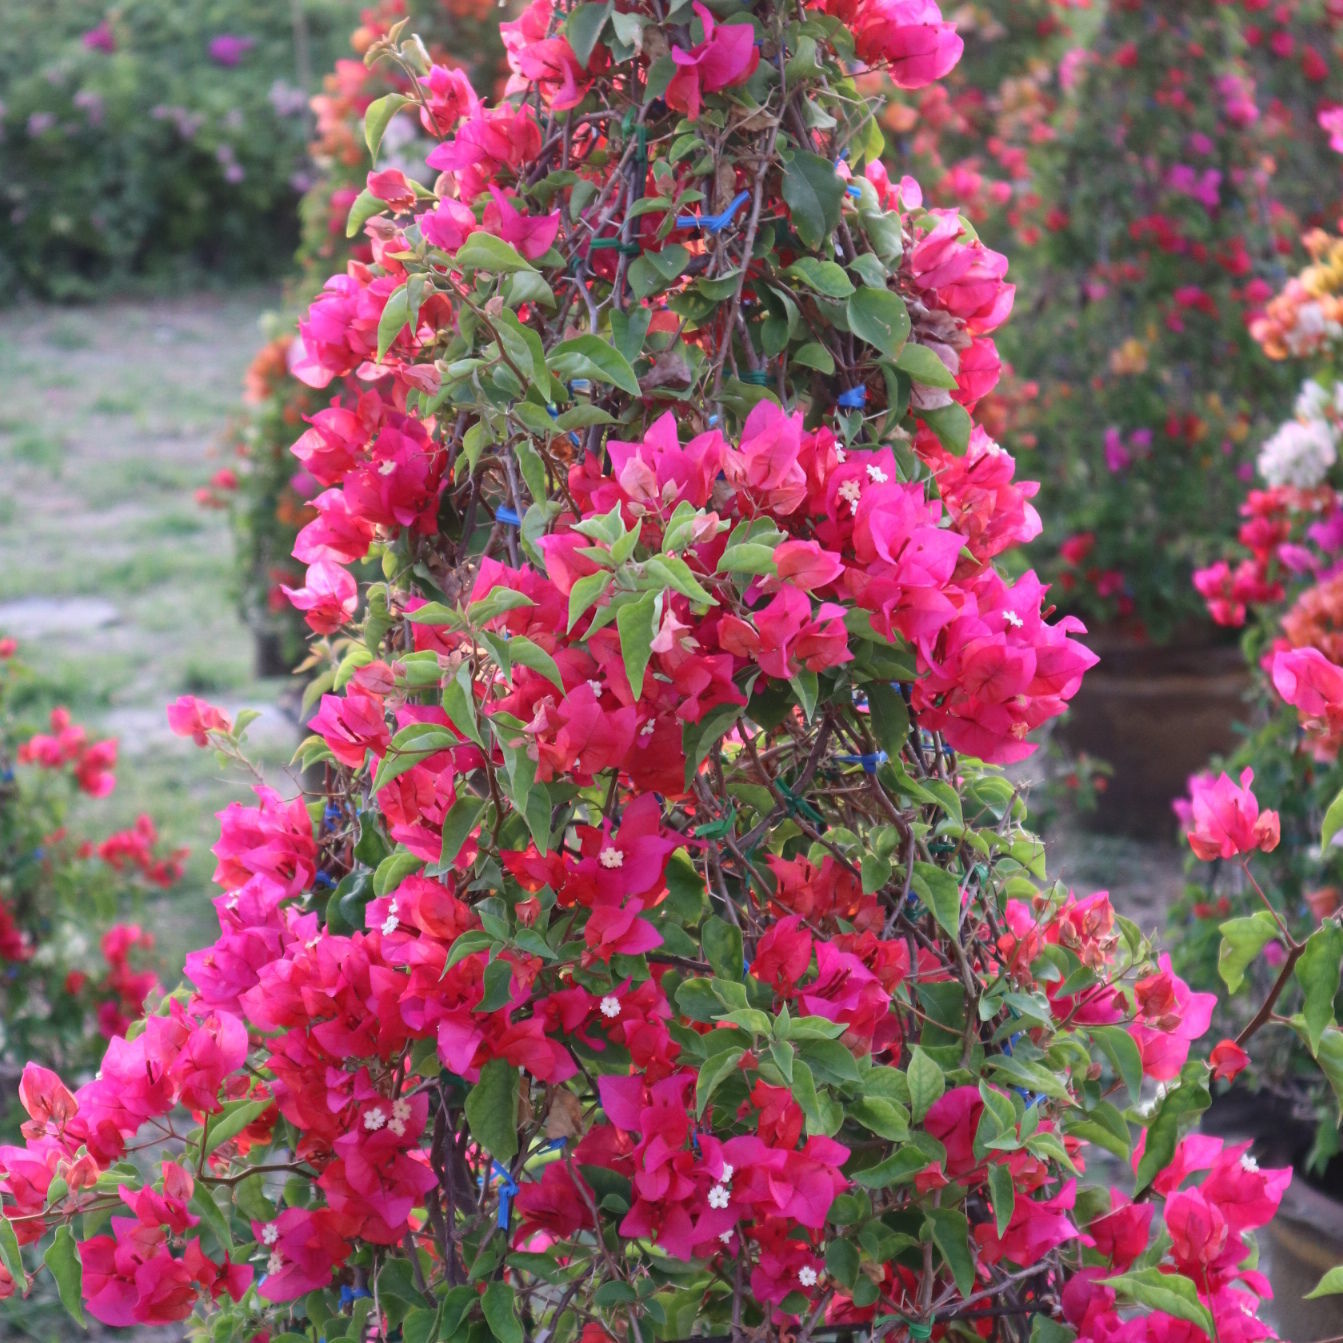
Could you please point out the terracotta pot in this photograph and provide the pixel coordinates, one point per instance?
(1156, 714)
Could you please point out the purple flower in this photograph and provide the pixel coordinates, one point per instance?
(229, 48)
(100, 38)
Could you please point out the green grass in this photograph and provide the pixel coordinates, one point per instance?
(110, 418)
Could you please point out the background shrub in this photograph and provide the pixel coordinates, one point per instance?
(152, 134)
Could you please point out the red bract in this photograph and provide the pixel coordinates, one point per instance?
(1225, 820)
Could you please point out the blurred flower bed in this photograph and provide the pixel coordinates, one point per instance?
(152, 136)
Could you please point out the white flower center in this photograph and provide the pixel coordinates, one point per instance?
(390, 924)
(728, 1172)
(719, 1197)
(611, 857)
(807, 1276)
(851, 492)
(270, 1233)
(596, 688)
(1013, 619)
(275, 1263)
(876, 475)
(1247, 1162)
(610, 1007)
(375, 1119)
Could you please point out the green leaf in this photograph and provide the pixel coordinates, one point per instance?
(9, 1252)
(378, 117)
(713, 1074)
(952, 426)
(1185, 1102)
(827, 278)
(483, 251)
(637, 623)
(1003, 1194)
(420, 1326)
(1333, 821)
(231, 1121)
(523, 652)
(365, 206)
(1243, 940)
(595, 359)
(1169, 1292)
(583, 27)
(1317, 972)
(880, 318)
(814, 193)
(883, 1116)
(814, 355)
(1329, 1285)
(951, 1234)
(923, 365)
(501, 1312)
(411, 745)
(400, 311)
(1125, 1058)
(462, 818)
(722, 947)
(492, 1110)
(585, 593)
(927, 1082)
(941, 892)
(62, 1259)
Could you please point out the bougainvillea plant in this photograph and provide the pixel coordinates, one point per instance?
(665, 954)
(266, 492)
(1284, 587)
(71, 976)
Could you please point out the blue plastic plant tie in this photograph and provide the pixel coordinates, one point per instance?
(507, 516)
(869, 762)
(580, 385)
(323, 881)
(7, 776)
(506, 1192)
(349, 1295)
(555, 415)
(853, 399)
(713, 420)
(714, 223)
(556, 1145)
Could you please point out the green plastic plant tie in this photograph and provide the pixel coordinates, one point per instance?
(920, 1329)
(615, 245)
(717, 829)
(799, 806)
(756, 377)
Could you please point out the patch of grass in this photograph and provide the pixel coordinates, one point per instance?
(36, 447)
(114, 403)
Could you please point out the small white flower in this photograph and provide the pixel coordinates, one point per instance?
(610, 1007)
(390, 924)
(725, 1236)
(1300, 453)
(611, 857)
(375, 1119)
(719, 1197)
(386, 468)
(648, 729)
(841, 455)
(275, 1263)
(270, 1233)
(876, 475)
(1247, 1162)
(1013, 619)
(596, 687)
(727, 1174)
(397, 1127)
(851, 492)
(808, 1276)
(231, 902)
(401, 1110)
